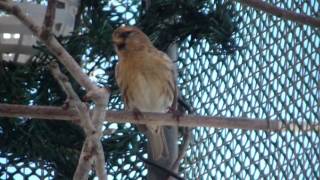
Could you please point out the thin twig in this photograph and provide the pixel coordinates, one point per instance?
(282, 13)
(186, 141)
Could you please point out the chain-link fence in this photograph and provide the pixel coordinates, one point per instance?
(274, 76)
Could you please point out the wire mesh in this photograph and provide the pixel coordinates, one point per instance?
(275, 76)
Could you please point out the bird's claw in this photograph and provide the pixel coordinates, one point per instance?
(175, 113)
(66, 104)
(137, 114)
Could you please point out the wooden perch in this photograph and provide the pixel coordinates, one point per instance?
(282, 13)
(58, 113)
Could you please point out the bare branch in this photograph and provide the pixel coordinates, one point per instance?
(52, 44)
(98, 117)
(84, 164)
(49, 19)
(92, 148)
(282, 13)
(74, 99)
(187, 134)
(100, 163)
(11, 8)
(57, 113)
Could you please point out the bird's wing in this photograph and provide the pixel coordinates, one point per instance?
(120, 84)
(173, 80)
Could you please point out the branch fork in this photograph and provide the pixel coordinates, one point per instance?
(92, 152)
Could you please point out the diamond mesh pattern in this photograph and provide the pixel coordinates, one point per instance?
(275, 76)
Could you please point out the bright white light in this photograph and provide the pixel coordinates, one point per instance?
(16, 36)
(6, 36)
(8, 54)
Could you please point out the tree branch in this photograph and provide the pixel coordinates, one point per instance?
(49, 19)
(282, 13)
(187, 134)
(73, 99)
(11, 8)
(58, 113)
(92, 151)
(92, 148)
(98, 117)
(52, 44)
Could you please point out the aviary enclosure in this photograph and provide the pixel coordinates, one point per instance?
(235, 60)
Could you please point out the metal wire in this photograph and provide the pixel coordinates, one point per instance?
(276, 76)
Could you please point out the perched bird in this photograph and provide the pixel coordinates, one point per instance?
(147, 81)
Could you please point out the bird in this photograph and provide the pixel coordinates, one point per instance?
(146, 78)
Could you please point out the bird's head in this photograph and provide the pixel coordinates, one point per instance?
(130, 39)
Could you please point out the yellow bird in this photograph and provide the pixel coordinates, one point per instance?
(147, 81)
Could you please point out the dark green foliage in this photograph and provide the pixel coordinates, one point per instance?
(58, 144)
(31, 140)
(168, 21)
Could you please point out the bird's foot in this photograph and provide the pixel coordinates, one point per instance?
(175, 113)
(137, 114)
(66, 104)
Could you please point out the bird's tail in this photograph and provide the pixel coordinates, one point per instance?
(158, 144)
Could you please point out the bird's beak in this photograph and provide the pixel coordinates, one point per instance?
(114, 42)
(119, 45)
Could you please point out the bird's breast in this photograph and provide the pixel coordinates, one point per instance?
(145, 87)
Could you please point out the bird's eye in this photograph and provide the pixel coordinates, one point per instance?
(125, 34)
